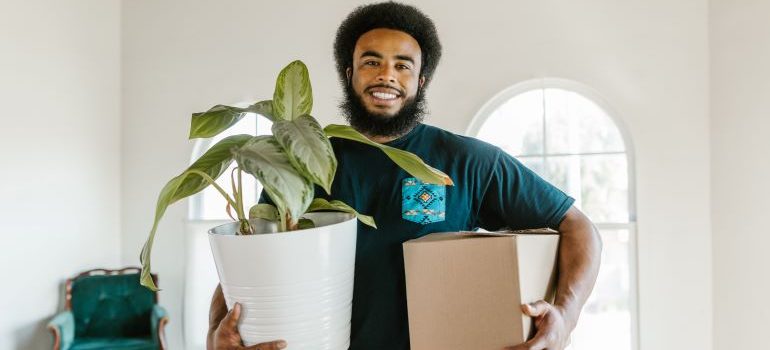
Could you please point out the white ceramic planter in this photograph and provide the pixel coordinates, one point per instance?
(296, 286)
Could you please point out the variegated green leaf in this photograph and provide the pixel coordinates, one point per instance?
(293, 94)
(308, 149)
(305, 224)
(335, 205)
(220, 117)
(408, 161)
(212, 164)
(264, 211)
(264, 158)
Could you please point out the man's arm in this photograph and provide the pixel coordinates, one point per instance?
(579, 259)
(580, 249)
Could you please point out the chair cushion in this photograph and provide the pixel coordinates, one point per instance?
(113, 343)
(111, 306)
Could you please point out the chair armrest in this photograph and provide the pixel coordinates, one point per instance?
(158, 322)
(63, 328)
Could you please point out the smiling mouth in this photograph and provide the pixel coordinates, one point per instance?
(384, 95)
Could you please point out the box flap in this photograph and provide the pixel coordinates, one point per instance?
(532, 231)
(443, 236)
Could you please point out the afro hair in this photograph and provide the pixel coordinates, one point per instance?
(390, 15)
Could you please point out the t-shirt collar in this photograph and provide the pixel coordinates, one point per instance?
(404, 138)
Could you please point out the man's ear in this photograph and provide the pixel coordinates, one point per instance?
(422, 81)
(349, 73)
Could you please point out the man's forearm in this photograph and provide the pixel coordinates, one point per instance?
(579, 259)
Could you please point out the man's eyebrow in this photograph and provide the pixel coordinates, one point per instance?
(371, 53)
(378, 55)
(405, 58)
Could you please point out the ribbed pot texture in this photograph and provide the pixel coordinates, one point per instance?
(296, 286)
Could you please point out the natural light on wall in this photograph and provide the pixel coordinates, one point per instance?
(568, 139)
(209, 209)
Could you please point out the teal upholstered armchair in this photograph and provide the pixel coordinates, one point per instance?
(109, 309)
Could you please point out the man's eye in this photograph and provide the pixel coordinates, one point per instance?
(402, 66)
(370, 63)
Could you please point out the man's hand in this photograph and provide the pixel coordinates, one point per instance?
(553, 328)
(223, 328)
(580, 248)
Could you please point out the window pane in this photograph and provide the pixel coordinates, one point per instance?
(264, 126)
(599, 183)
(604, 194)
(564, 173)
(214, 206)
(605, 323)
(517, 125)
(575, 124)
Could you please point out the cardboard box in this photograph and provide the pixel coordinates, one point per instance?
(465, 289)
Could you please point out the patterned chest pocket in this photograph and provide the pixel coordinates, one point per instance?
(422, 203)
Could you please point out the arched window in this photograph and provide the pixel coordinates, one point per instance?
(206, 210)
(566, 133)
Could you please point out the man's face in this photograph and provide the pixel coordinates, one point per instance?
(383, 96)
(386, 70)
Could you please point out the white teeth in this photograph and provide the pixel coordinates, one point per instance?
(383, 95)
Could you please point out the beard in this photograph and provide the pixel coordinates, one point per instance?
(376, 124)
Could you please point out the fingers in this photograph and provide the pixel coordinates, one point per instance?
(273, 345)
(231, 319)
(538, 308)
(548, 335)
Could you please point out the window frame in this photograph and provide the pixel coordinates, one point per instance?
(502, 97)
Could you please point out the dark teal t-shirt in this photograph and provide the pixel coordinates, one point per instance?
(492, 190)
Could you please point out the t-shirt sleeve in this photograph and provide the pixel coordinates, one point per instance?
(517, 198)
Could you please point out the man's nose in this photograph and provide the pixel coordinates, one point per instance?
(387, 75)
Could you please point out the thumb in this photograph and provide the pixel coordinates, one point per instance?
(231, 319)
(538, 308)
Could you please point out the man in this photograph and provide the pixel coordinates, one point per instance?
(386, 55)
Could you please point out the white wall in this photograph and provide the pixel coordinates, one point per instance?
(740, 120)
(60, 177)
(649, 60)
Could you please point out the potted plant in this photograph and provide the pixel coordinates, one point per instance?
(296, 285)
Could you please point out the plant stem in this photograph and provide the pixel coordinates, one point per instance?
(240, 194)
(237, 196)
(213, 183)
(282, 221)
(246, 228)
